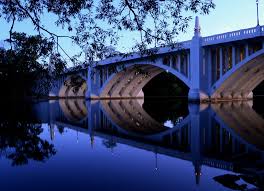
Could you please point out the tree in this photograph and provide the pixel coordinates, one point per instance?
(30, 66)
(98, 22)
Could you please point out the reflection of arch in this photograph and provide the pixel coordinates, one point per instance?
(73, 109)
(128, 115)
(67, 90)
(132, 119)
(242, 78)
(185, 122)
(130, 81)
(243, 120)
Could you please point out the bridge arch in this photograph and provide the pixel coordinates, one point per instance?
(242, 79)
(67, 89)
(130, 80)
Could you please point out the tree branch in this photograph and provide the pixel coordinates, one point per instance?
(11, 29)
(38, 25)
(140, 28)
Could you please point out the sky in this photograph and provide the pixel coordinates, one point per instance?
(229, 15)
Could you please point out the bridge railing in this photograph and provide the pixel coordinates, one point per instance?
(158, 51)
(233, 36)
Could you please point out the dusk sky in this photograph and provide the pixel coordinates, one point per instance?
(228, 15)
(165, 113)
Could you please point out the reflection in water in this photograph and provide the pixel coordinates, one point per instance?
(230, 181)
(234, 181)
(225, 136)
(129, 115)
(73, 110)
(243, 120)
(20, 142)
(20, 139)
(166, 110)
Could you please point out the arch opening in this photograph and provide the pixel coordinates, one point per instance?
(73, 86)
(165, 85)
(131, 81)
(258, 102)
(240, 82)
(259, 89)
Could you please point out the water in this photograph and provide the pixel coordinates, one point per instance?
(131, 145)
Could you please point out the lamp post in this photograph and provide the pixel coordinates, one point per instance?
(257, 3)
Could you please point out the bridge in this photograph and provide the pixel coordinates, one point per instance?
(225, 66)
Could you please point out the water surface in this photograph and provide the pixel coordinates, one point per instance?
(76, 144)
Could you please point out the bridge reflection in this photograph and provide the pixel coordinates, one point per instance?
(227, 136)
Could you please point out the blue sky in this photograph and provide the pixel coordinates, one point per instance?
(228, 15)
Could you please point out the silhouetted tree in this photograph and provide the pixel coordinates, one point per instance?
(30, 66)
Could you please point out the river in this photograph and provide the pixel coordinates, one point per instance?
(76, 144)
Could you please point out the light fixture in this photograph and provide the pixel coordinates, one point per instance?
(257, 3)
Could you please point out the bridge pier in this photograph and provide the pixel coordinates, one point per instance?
(195, 95)
(198, 76)
(93, 83)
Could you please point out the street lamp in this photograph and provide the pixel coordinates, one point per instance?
(257, 3)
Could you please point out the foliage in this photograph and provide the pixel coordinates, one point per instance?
(30, 66)
(96, 24)
(76, 82)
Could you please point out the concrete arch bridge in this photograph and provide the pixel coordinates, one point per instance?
(225, 66)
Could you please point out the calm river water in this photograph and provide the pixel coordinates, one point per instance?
(132, 145)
